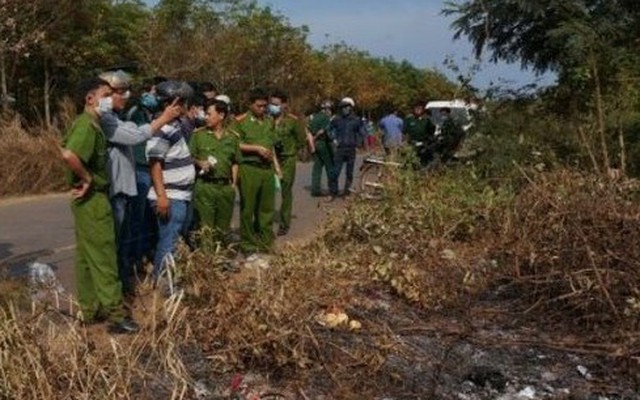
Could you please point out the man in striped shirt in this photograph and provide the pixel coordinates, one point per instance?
(173, 176)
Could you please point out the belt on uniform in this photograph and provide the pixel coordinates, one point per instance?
(217, 181)
(258, 164)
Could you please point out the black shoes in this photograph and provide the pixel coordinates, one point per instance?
(126, 326)
(283, 231)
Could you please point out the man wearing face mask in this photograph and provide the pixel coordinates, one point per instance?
(290, 137)
(96, 270)
(122, 136)
(348, 133)
(194, 117)
(143, 222)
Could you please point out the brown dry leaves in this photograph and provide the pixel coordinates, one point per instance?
(571, 248)
(30, 161)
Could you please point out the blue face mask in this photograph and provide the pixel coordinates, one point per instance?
(274, 110)
(149, 101)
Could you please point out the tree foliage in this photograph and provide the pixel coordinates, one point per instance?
(592, 45)
(236, 44)
(546, 34)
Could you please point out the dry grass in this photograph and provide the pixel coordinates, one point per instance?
(47, 355)
(29, 159)
(570, 246)
(565, 243)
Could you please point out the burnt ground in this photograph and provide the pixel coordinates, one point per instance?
(487, 351)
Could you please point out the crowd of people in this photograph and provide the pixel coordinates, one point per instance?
(419, 131)
(171, 164)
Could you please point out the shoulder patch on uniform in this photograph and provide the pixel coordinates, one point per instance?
(95, 124)
(233, 132)
(241, 117)
(201, 129)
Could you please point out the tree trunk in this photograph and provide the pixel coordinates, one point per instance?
(586, 143)
(47, 95)
(4, 91)
(623, 150)
(600, 114)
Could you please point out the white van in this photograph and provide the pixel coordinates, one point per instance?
(461, 111)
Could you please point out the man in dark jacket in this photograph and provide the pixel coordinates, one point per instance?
(348, 133)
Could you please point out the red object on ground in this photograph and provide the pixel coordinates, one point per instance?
(236, 381)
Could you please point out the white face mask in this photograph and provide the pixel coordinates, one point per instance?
(105, 105)
(126, 95)
(201, 115)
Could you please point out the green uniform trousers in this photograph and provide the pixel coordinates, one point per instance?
(257, 206)
(213, 204)
(96, 265)
(288, 167)
(322, 159)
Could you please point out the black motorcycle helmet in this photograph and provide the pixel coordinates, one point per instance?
(167, 92)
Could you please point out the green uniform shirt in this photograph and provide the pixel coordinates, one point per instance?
(254, 131)
(452, 132)
(290, 136)
(320, 121)
(418, 129)
(226, 150)
(86, 140)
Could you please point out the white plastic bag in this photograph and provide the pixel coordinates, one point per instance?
(43, 280)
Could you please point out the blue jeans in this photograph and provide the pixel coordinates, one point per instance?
(169, 231)
(121, 205)
(143, 221)
(342, 156)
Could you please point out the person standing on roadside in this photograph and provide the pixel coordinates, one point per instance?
(348, 134)
(96, 269)
(257, 174)
(216, 152)
(451, 135)
(290, 137)
(391, 126)
(172, 174)
(418, 128)
(194, 118)
(319, 127)
(207, 90)
(122, 137)
(143, 222)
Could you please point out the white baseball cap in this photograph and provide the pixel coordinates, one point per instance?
(224, 98)
(349, 101)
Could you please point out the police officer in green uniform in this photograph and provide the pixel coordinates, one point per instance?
(451, 135)
(217, 154)
(257, 174)
(319, 124)
(418, 128)
(96, 270)
(290, 137)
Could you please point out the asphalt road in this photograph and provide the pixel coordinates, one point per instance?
(40, 228)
